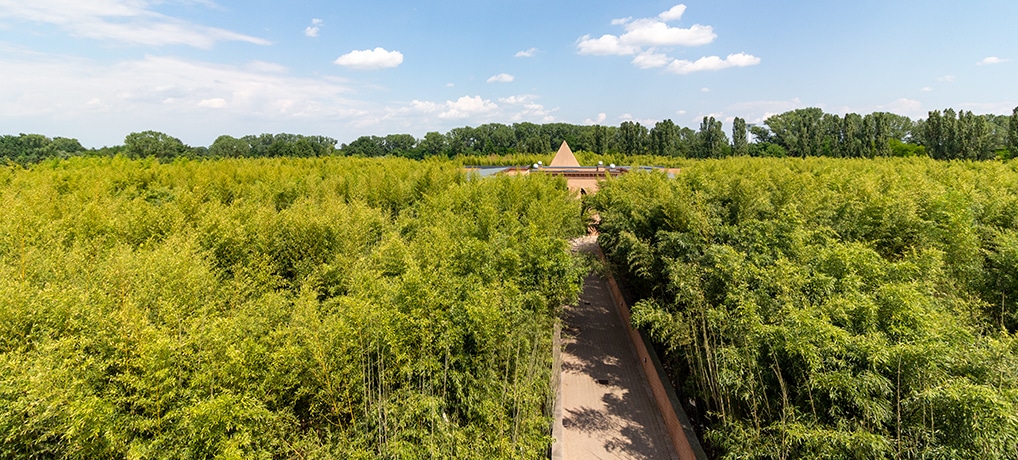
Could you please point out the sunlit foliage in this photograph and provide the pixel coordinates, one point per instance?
(826, 308)
(278, 308)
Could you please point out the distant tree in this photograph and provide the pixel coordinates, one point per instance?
(399, 145)
(761, 134)
(495, 138)
(229, 147)
(881, 134)
(67, 145)
(1012, 134)
(853, 136)
(798, 131)
(153, 144)
(461, 141)
(600, 139)
(365, 146)
(664, 139)
(740, 139)
(713, 143)
(530, 138)
(632, 138)
(433, 144)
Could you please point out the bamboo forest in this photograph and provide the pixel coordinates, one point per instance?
(816, 286)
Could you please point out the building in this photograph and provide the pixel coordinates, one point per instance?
(580, 179)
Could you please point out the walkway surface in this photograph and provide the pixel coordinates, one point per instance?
(607, 408)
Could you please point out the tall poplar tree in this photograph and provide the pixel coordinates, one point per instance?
(740, 140)
(1012, 134)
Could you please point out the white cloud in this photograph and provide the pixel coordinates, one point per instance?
(214, 103)
(674, 14)
(524, 107)
(315, 27)
(600, 118)
(947, 79)
(650, 40)
(681, 66)
(926, 89)
(704, 90)
(467, 106)
(375, 59)
(650, 32)
(501, 78)
(647, 32)
(758, 111)
(450, 85)
(607, 45)
(99, 102)
(992, 60)
(651, 60)
(425, 106)
(527, 53)
(904, 106)
(470, 110)
(129, 21)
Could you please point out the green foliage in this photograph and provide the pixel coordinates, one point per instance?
(32, 148)
(283, 308)
(153, 144)
(830, 308)
(1012, 134)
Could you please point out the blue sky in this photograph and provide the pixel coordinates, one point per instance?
(97, 70)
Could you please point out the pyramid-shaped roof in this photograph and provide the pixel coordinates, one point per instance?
(564, 157)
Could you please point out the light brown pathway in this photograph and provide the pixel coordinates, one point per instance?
(607, 409)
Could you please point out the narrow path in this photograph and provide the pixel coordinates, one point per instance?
(607, 409)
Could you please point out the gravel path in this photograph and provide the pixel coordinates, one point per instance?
(607, 410)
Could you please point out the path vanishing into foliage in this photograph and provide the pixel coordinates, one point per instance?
(607, 409)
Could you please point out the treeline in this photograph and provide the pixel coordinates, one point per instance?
(279, 308)
(829, 308)
(798, 133)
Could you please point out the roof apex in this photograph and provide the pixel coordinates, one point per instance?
(564, 157)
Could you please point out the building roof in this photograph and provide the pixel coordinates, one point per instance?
(564, 157)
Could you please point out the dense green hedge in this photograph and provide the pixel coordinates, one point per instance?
(312, 308)
(826, 308)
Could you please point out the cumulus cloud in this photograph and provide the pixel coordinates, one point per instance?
(525, 107)
(501, 78)
(904, 106)
(674, 14)
(600, 118)
(650, 39)
(758, 111)
(375, 59)
(214, 103)
(127, 21)
(527, 53)
(467, 106)
(472, 110)
(992, 60)
(100, 102)
(647, 32)
(315, 27)
(926, 89)
(681, 66)
(607, 45)
(651, 60)
(650, 32)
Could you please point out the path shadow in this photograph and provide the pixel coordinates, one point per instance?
(628, 425)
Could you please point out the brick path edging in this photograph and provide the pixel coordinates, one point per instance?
(676, 422)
